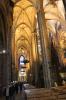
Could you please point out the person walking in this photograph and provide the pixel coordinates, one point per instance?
(7, 92)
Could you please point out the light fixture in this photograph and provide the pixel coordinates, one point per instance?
(3, 51)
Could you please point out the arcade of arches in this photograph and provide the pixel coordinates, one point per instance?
(33, 42)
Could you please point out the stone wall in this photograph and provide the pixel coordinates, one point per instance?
(5, 58)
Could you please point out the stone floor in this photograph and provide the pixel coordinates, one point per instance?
(2, 98)
(17, 97)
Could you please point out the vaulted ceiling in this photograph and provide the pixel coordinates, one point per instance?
(24, 21)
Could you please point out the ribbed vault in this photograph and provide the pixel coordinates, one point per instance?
(24, 24)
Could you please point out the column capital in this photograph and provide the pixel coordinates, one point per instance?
(39, 5)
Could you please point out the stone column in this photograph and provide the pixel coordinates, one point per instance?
(8, 53)
(13, 56)
(36, 59)
(44, 44)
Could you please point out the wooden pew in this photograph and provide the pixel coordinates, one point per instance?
(60, 92)
(38, 94)
(27, 86)
(55, 93)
